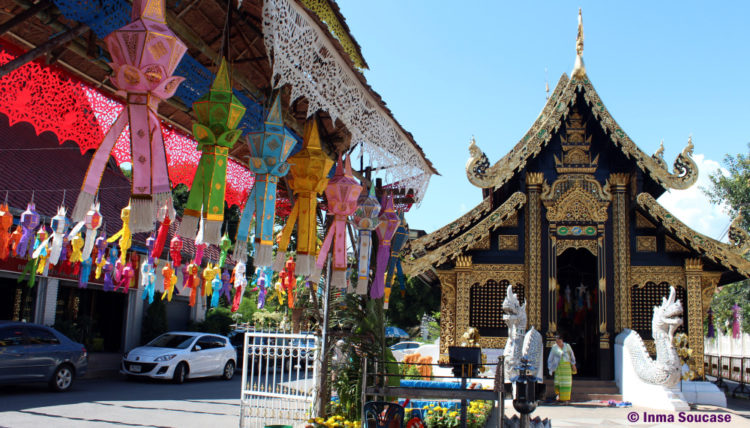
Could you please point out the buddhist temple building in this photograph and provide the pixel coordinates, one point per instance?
(570, 218)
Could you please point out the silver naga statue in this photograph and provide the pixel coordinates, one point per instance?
(666, 370)
(520, 344)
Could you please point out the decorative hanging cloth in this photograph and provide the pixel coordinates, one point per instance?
(269, 149)
(200, 246)
(144, 53)
(240, 282)
(389, 222)
(175, 250)
(92, 221)
(101, 247)
(226, 285)
(711, 331)
(6, 221)
(309, 176)
(170, 281)
(736, 329)
(289, 281)
(161, 235)
(59, 225)
(342, 193)
(219, 112)
(366, 220)
(109, 267)
(30, 220)
(124, 235)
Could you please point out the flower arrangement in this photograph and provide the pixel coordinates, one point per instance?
(436, 416)
(335, 421)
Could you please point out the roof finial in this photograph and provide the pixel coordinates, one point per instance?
(579, 69)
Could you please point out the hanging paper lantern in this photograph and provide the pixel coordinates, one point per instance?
(59, 225)
(226, 286)
(38, 262)
(15, 239)
(342, 193)
(308, 178)
(86, 265)
(101, 246)
(126, 276)
(224, 246)
(200, 246)
(124, 235)
(208, 275)
(170, 280)
(161, 235)
(711, 331)
(6, 221)
(219, 112)
(394, 263)
(289, 281)
(389, 222)
(736, 329)
(240, 282)
(30, 220)
(148, 281)
(76, 246)
(175, 250)
(216, 286)
(269, 150)
(144, 53)
(150, 242)
(193, 282)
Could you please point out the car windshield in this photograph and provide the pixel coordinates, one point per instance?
(177, 341)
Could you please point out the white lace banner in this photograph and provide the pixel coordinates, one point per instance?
(304, 58)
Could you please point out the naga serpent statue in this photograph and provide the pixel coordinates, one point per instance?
(666, 370)
(520, 344)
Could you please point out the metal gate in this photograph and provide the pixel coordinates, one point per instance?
(278, 379)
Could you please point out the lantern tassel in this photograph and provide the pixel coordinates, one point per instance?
(378, 284)
(83, 202)
(188, 224)
(141, 215)
(212, 231)
(164, 200)
(240, 245)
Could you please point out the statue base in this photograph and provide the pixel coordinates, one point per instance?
(640, 393)
(703, 393)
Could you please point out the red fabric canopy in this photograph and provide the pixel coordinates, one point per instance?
(50, 100)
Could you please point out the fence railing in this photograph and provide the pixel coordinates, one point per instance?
(722, 367)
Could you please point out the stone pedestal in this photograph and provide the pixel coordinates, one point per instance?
(703, 393)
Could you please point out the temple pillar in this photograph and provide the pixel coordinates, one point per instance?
(693, 281)
(447, 311)
(621, 250)
(534, 181)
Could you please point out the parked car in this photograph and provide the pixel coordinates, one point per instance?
(182, 355)
(36, 353)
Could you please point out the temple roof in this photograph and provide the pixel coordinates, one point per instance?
(481, 174)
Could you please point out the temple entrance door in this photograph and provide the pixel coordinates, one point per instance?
(577, 307)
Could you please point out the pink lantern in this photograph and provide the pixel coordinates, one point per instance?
(145, 53)
(342, 193)
(389, 221)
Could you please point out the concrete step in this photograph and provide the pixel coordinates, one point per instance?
(589, 389)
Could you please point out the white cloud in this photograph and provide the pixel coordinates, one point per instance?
(692, 206)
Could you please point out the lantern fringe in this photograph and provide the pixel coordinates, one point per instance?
(141, 215)
(278, 263)
(314, 277)
(83, 204)
(338, 279)
(212, 231)
(188, 225)
(361, 287)
(306, 265)
(161, 199)
(240, 251)
(263, 255)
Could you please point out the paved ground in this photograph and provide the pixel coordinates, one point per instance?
(118, 403)
(215, 404)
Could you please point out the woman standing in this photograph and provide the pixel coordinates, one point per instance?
(562, 363)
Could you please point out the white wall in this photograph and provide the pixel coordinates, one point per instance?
(725, 344)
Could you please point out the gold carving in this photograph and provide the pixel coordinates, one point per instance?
(621, 251)
(534, 252)
(512, 221)
(672, 246)
(693, 277)
(420, 260)
(619, 180)
(709, 283)
(738, 236)
(575, 146)
(480, 274)
(604, 341)
(588, 244)
(642, 275)
(722, 253)
(534, 178)
(447, 310)
(463, 262)
(576, 198)
(481, 174)
(641, 222)
(507, 242)
(483, 244)
(645, 244)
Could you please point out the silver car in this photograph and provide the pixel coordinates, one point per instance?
(36, 353)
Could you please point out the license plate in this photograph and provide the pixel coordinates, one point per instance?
(135, 368)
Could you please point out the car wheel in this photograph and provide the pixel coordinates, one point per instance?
(228, 370)
(62, 378)
(180, 373)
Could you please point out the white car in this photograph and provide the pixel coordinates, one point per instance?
(182, 355)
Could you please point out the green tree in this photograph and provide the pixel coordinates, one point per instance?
(419, 298)
(155, 320)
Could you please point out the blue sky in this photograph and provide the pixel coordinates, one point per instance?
(665, 70)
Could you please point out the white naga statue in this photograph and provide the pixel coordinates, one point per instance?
(520, 344)
(666, 370)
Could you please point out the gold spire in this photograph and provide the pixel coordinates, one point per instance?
(579, 69)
